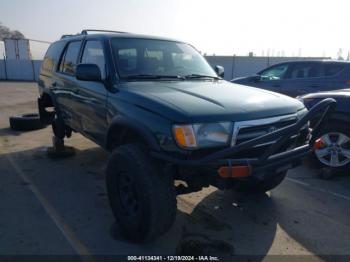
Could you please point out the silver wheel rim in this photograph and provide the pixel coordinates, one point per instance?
(335, 151)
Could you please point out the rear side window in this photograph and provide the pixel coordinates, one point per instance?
(69, 58)
(306, 70)
(333, 69)
(93, 54)
(52, 56)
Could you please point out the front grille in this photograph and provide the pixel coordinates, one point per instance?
(247, 130)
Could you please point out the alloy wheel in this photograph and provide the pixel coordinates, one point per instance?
(335, 150)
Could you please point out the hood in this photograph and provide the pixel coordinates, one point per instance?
(207, 101)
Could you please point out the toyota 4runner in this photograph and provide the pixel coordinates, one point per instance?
(166, 115)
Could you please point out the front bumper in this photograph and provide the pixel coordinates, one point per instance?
(272, 159)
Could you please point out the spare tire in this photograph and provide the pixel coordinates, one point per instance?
(26, 122)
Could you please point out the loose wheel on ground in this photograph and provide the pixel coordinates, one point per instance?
(25, 122)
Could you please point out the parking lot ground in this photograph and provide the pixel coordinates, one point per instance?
(60, 206)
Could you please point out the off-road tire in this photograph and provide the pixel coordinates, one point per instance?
(260, 186)
(26, 122)
(154, 191)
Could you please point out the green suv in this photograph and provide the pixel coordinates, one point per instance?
(166, 115)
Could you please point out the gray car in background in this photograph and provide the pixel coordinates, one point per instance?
(301, 77)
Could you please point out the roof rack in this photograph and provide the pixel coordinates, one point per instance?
(64, 36)
(85, 31)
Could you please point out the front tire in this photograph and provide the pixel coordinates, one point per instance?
(142, 197)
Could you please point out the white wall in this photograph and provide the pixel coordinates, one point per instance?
(25, 70)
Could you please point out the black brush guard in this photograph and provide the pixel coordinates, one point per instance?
(269, 160)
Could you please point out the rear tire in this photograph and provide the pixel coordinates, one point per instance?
(142, 197)
(261, 186)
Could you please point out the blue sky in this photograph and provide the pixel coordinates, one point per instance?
(220, 26)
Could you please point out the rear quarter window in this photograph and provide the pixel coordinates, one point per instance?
(51, 57)
(69, 58)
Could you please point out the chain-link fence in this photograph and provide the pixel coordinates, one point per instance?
(38, 49)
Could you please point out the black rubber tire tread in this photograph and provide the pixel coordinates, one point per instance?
(158, 207)
(26, 122)
(332, 126)
(255, 186)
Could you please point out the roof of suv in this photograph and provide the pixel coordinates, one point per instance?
(109, 34)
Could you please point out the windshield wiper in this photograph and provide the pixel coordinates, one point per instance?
(148, 76)
(197, 76)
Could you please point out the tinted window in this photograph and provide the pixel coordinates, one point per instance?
(69, 59)
(158, 57)
(93, 54)
(274, 73)
(52, 55)
(306, 70)
(333, 69)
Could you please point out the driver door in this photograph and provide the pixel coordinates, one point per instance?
(273, 78)
(90, 96)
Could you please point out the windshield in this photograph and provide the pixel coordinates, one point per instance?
(148, 57)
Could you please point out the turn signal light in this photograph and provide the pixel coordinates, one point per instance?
(184, 136)
(234, 171)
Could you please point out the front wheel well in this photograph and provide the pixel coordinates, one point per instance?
(46, 100)
(121, 135)
(46, 108)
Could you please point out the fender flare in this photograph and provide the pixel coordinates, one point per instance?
(121, 122)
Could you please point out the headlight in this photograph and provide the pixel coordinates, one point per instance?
(203, 135)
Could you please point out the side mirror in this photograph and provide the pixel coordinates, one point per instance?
(220, 71)
(88, 72)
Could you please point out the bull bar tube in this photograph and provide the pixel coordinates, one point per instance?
(269, 159)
